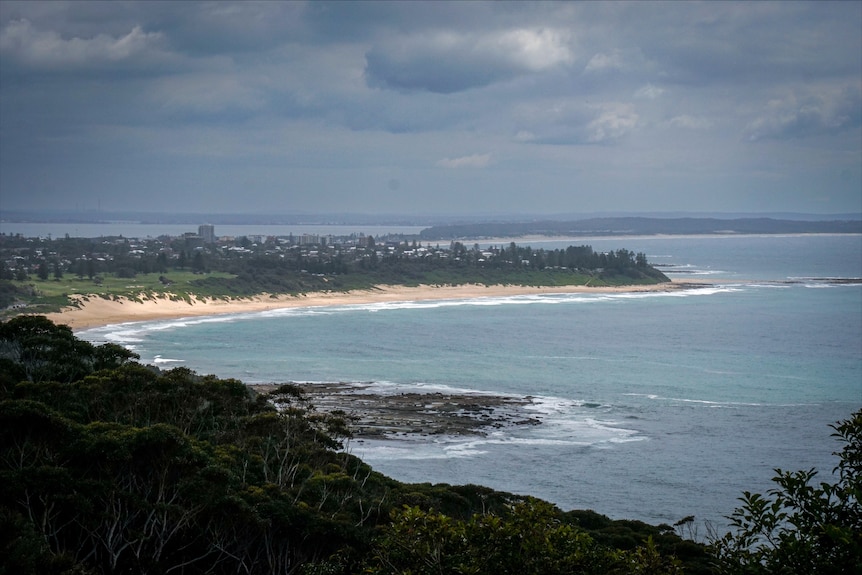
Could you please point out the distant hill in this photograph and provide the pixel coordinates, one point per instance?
(627, 226)
(424, 219)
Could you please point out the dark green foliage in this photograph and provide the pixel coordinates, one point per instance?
(527, 538)
(9, 293)
(126, 474)
(49, 352)
(513, 265)
(116, 467)
(802, 527)
(23, 551)
(134, 470)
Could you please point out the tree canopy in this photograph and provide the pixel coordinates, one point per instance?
(111, 466)
(802, 527)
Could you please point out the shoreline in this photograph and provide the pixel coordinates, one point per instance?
(95, 311)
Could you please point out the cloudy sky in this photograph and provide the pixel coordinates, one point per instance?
(434, 108)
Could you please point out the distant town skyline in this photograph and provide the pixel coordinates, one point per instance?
(431, 108)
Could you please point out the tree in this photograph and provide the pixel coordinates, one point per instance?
(198, 262)
(527, 539)
(162, 263)
(111, 356)
(801, 527)
(43, 351)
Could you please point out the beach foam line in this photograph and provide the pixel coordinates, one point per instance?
(554, 420)
(101, 312)
(581, 434)
(384, 388)
(710, 403)
(131, 333)
(159, 360)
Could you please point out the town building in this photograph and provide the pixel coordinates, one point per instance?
(207, 233)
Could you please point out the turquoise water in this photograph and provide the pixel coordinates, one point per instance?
(655, 406)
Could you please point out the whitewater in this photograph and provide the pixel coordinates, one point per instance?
(654, 406)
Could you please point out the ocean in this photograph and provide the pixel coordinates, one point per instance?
(654, 406)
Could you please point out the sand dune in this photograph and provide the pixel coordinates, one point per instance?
(96, 311)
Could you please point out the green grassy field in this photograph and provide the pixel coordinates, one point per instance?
(45, 296)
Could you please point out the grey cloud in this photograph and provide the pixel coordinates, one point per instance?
(649, 92)
(447, 61)
(602, 62)
(471, 161)
(23, 44)
(238, 28)
(612, 122)
(566, 122)
(794, 117)
(430, 72)
(371, 21)
(690, 122)
(712, 43)
(122, 97)
(206, 93)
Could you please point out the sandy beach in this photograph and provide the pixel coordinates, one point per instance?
(95, 311)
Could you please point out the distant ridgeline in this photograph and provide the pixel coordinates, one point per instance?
(640, 226)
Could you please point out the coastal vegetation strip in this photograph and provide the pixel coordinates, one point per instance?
(44, 275)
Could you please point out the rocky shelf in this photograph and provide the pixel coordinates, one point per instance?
(411, 413)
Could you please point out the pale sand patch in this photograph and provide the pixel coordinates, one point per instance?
(96, 311)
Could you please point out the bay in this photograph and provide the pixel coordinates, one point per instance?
(654, 406)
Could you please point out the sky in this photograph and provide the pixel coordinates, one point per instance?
(464, 108)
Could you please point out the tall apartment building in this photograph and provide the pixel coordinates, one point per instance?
(207, 233)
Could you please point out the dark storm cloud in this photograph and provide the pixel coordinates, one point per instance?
(446, 61)
(580, 106)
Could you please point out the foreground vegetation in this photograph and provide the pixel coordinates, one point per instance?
(110, 466)
(43, 275)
